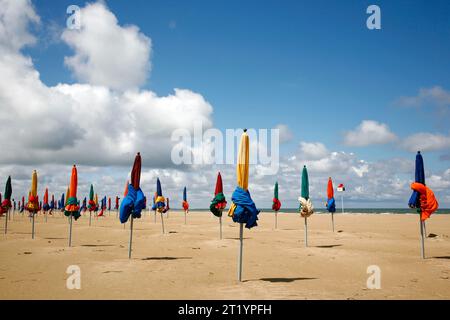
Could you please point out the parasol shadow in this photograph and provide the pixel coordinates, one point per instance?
(165, 258)
(282, 280)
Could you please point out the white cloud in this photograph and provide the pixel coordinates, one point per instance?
(107, 54)
(312, 150)
(85, 123)
(286, 134)
(369, 132)
(435, 95)
(425, 141)
(15, 18)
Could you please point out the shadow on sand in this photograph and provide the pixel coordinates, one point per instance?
(281, 280)
(442, 257)
(165, 258)
(96, 245)
(329, 246)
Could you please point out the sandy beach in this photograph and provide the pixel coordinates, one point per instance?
(190, 262)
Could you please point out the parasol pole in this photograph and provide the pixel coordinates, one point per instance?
(184, 216)
(70, 230)
(32, 226)
(422, 239)
(332, 220)
(6, 221)
(276, 219)
(155, 216)
(241, 245)
(342, 202)
(424, 229)
(162, 222)
(90, 218)
(220, 223)
(306, 231)
(131, 237)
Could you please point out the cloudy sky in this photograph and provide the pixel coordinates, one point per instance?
(351, 103)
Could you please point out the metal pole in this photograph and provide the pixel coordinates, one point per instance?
(155, 216)
(6, 221)
(342, 203)
(241, 245)
(220, 222)
(32, 226)
(422, 242)
(162, 222)
(70, 231)
(276, 219)
(332, 220)
(90, 218)
(131, 237)
(424, 229)
(184, 216)
(306, 232)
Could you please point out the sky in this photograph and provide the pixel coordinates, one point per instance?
(351, 103)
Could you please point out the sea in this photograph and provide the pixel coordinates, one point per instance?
(351, 211)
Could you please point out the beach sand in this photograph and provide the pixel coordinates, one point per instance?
(190, 262)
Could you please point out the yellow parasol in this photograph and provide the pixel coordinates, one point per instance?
(33, 202)
(242, 167)
(243, 210)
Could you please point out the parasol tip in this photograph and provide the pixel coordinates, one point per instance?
(138, 153)
(418, 152)
(245, 130)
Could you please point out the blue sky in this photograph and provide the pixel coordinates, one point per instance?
(311, 65)
(287, 61)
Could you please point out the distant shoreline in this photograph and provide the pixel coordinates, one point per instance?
(338, 211)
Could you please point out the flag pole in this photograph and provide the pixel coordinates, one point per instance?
(70, 231)
(241, 244)
(162, 221)
(131, 237)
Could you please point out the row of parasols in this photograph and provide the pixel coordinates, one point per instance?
(242, 210)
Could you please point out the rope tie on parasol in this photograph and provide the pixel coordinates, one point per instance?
(218, 204)
(160, 203)
(243, 209)
(427, 200)
(306, 208)
(276, 204)
(185, 206)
